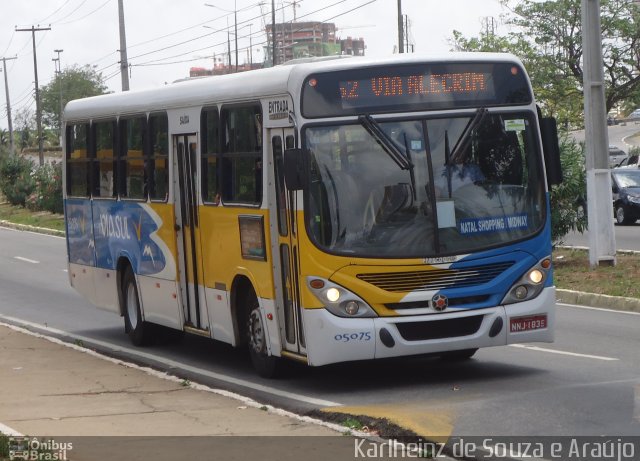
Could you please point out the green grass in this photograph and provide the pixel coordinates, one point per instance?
(352, 423)
(19, 215)
(572, 272)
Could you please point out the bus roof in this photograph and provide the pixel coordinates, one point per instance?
(247, 86)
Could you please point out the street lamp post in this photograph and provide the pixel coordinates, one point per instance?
(58, 64)
(235, 29)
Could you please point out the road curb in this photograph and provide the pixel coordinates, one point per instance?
(597, 300)
(29, 228)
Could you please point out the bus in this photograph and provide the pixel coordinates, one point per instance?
(321, 211)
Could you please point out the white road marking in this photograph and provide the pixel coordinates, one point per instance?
(636, 403)
(616, 311)
(33, 233)
(6, 430)
(171, 363)
(27, 260)
(572, 354)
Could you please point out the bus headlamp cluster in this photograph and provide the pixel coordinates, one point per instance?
(530, 284)
(338, 300)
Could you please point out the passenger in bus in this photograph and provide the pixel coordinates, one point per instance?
(499, 153)
(452, 177)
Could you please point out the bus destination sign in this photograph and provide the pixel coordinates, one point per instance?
(430, 86)
(412, 85)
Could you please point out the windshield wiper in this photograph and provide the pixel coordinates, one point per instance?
(387, 144)
(465, 138)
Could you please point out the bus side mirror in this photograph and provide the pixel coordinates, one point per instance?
(551, 149)
(293, 169)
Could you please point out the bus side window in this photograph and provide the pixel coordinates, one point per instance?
(104, 171)
(132, 158)
(77, 160)
(210, 130)
(158, 164)
(242, 154)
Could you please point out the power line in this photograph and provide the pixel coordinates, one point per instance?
(6, 88)
(35, 71)
(52, 14)
(243, 22)
(73, 11)
(85, 16)
(10, 41)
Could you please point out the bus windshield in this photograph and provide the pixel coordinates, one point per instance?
(423, 187)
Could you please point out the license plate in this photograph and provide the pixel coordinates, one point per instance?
(533, 322)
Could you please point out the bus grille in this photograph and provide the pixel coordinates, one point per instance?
(440, 329)
(436, 279)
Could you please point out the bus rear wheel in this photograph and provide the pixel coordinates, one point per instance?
(266, 365)
(136, 328)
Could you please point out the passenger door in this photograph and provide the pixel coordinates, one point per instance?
(284, 242)
(190, 277)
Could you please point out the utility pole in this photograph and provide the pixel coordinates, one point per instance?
(406, 33)
(400, 29)
(273, 33)
(6, 89)
(235, 29)
(602, 242)
(250, 48)
(58, 64)
(33, 31)
(124, 65)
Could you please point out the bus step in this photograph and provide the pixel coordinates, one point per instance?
(197, 331)
(294, 356)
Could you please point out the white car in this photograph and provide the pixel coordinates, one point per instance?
(616, 156)
(635, 114)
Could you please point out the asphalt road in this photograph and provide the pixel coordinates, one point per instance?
(627, 238)
(586, 383)
(618, 134)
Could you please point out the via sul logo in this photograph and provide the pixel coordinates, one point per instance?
(138, 228)
(440, 302)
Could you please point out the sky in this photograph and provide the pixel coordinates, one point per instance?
(165, 38)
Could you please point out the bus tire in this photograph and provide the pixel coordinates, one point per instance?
(136, 328)
(458, 356)
(266, 365)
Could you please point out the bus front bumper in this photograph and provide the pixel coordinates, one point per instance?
(332, 339)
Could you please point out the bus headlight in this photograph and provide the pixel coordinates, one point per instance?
(351, 307)
(332, 295)
(535, 276)
(338, 300)
(530, 284)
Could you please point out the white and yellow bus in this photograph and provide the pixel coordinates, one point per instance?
(325, 211)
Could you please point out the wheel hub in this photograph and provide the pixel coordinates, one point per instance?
(256, 331)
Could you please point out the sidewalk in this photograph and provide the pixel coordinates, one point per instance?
(81, 405)
(54, 389)
(75, 404)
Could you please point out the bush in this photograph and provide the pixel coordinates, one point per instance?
(16, 182)
(47, 194)
(568, 200)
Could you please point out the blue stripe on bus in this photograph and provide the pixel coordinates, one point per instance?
(119, 229)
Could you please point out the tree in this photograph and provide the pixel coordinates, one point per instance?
(25, 123)
(548, 38)
(76, 82)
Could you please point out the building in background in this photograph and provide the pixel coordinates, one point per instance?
(294, 40)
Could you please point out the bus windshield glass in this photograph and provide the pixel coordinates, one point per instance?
(424, 187)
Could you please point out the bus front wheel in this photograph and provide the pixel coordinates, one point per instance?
(264, 364)
(136, 328)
